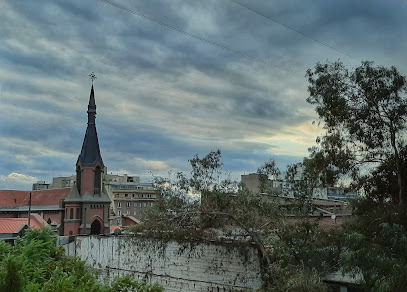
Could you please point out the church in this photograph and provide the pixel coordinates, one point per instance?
(87, 204)
(81, 209)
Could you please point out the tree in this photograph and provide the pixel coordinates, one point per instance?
(303, 253)
(374, 247)
(268, 169)
(221, 204)
(243, 216)
(36, 264)
(305, 179)
(364, 113)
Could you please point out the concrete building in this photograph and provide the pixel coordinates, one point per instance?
(116, 178)
(280, 186)
(69, 181)
(130, 199)
(63, 182)
(252, 183)
(40, 185)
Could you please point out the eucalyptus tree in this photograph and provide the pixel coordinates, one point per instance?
(364, 113)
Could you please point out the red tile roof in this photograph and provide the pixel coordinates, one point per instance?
(38, 198)
(113, 228)
(132, 218)
(12, 225)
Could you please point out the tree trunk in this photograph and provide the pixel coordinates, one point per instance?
(400, 178)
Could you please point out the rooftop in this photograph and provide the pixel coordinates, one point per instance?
(15, 199)
(14, 225)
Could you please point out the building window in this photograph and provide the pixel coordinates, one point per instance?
(78, 178)
(152, 204)
(119, 204)
(119, 213)
(118, 222)
(71, 214)
(135, 213)
(78, 214)
(145, 204)
(135, 204)
(140, 205)
(133, 195)
(97, 181)
(128, 204)
(126, 195)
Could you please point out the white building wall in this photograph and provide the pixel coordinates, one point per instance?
(207, 266)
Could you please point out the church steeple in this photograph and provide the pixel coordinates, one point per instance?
(87, 204)
(90, 153)
(92, 107)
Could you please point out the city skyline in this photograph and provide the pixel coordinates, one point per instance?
(167, 86)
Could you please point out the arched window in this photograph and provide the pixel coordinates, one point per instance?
(97, 181)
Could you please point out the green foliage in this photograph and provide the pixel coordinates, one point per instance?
(302, 254)
(36, 264)
(305, 244)
(376, 248)
(381, 185)
(128, 284)
(295, 278)
(11, 277)
(299, 254)
(268, 169)
(363, 112)
(303, 179)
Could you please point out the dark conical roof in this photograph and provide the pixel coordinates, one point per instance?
(90, 153)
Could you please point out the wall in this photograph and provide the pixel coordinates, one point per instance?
(207, 266)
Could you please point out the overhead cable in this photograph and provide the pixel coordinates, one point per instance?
(294, 30)
(233, 51)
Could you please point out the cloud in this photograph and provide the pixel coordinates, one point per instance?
(17, 181)
(163, 96)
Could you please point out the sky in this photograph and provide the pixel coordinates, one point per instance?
(174, 79)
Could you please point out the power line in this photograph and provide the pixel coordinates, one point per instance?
(292, 29)
(233, 51)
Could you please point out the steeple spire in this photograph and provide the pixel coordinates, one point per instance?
(87, 204)
(90, 153)
(92, 107)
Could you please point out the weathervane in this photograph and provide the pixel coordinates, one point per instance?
(92, 76)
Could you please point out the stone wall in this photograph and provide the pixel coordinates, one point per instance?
(205, 266)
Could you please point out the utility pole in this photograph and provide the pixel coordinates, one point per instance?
(29, 211)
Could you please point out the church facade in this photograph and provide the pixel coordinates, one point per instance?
(87, 204)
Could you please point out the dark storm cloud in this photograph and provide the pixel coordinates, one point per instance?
(34, 63)
(163, 96)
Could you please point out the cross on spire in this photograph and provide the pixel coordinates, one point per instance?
(92, 77)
